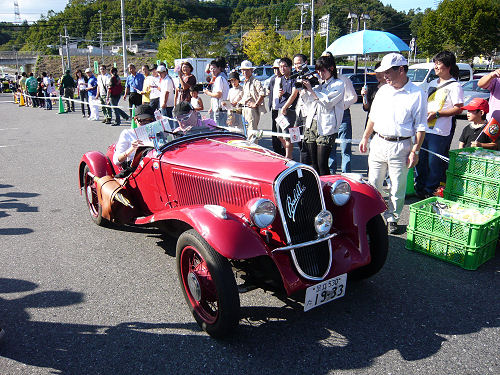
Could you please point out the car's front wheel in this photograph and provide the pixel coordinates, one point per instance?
(93, 205)
(208, 283)
(378, 240)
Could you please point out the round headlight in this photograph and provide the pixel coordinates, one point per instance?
(323, 222)
(263, 212)
(341, 192)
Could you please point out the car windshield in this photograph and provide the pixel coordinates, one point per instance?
(417, 75)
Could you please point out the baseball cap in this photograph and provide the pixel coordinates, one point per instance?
(144, 111)
(161, 68)
(88, 70)
(390, 60)
(183, 108)
(234, 75)
(276, 63)
(245, 64)
(477, 103)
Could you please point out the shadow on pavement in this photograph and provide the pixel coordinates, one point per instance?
(428, 300)
(10, 202)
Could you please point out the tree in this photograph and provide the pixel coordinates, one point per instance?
(198, 37)
(466, 27)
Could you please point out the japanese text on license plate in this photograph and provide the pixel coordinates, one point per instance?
(325, 291)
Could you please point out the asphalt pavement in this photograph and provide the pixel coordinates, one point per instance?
(80, 299)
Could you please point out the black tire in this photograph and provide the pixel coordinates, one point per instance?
(90, 190)
(378, 240)
(208, 284)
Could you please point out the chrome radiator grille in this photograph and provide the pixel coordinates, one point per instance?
(193, 189)
(300, 199)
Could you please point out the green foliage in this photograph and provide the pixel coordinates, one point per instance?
(198, 37)
(466, 27)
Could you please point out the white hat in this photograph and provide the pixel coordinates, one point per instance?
(161, 68)
(88, 70)
(276, 63)
(390, 60)
(245, 64)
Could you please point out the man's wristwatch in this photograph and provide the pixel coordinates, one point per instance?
(416, 152)
(437, 114)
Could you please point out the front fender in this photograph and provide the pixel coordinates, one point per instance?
(230, 237)
(365, 203)
(98, 164)
(351, 219)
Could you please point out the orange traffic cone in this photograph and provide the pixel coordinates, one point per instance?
(21, 101)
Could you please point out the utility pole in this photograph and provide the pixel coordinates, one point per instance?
(241, 37)
(62, 53)
(164, 30)
(303, 7)
(67, 46)
(130, 37)
(124, 46)
(311, 60)
(102, 47)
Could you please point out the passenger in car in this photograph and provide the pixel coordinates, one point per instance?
(188, 118)
(128, 143)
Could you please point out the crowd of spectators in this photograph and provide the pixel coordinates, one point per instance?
(401, 119)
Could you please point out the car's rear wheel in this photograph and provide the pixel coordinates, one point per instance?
(378, 240)
(208, 284)
(93, 205)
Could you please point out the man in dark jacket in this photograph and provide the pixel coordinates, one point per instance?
(68, 85)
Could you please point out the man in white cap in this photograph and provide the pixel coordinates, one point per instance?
(253, 96)
(398, 112)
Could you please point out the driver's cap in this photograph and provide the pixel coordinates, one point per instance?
(183, 108)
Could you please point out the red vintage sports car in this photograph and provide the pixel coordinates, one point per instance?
(236, 206)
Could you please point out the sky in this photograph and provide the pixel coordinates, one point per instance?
(31, 9)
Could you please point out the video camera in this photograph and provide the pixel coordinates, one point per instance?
(304, 74)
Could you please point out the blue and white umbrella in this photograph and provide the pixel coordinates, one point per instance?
(367, 42)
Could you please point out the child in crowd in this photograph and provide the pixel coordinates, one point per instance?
(473, 135)
(195, 99)
(234, 96)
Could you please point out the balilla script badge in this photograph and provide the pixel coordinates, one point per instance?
(293, 202)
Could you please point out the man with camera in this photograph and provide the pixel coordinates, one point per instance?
(300, 69)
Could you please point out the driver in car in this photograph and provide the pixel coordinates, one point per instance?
(188, 118)
(127, 142)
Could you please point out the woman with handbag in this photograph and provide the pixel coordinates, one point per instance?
(445, 100)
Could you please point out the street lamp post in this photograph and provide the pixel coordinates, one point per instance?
(124, 40)
(311, 60)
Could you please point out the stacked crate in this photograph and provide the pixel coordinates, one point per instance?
(473, 180)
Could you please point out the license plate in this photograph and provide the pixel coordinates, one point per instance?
(325, 291)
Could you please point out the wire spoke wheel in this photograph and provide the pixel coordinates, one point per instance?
(208, 285)
(93, 205)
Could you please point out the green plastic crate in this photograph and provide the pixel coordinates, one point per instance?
(424, 220)
(486, 190)
(462, 163)
(449, 251)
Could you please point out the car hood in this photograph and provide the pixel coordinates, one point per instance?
(228, 156)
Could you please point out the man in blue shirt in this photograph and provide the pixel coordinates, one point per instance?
(92, 91)
(134, 84)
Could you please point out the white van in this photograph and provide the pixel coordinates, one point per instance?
(422, 74)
